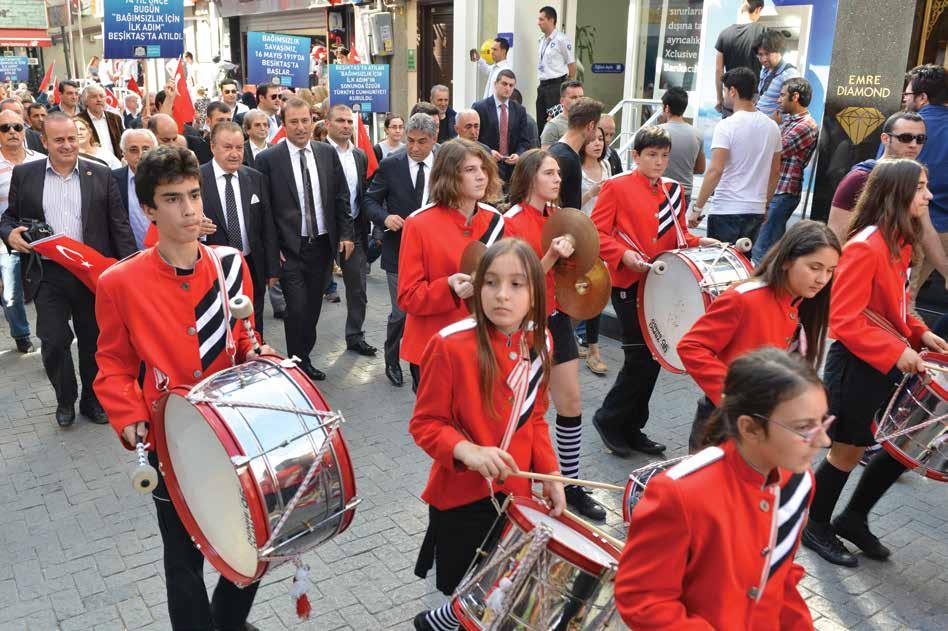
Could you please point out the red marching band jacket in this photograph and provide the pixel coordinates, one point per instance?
(449, 409)
(711, 547)
(432, 242)
(631, 214)
(525, 222)
(746, 317)
(868, 278)
(175, 324)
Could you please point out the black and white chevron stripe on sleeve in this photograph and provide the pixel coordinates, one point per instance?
(495, 230)
(669, 209)
(209, 314)
(794, 499)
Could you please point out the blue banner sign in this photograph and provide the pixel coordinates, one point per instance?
(14, 68)
(363, 87)
(143, 29)
(278, 59)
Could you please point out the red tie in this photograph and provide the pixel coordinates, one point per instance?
(503, 129)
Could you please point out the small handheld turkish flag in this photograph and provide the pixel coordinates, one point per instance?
(111, 101)
(83, 262)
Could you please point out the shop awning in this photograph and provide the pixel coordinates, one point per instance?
(24, 37)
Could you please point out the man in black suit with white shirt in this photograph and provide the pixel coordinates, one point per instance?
(499, 113)
(236, 200)
(309, 200)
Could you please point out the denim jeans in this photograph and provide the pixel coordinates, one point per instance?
(781, 207)
(730, 228)
(13, 307)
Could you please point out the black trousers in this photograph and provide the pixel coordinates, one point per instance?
(59, 298)
(548, 95)
(304, 278)
(259, 294)
(355, 271)
(188, 605)
(625, 407)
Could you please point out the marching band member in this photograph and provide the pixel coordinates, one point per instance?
(164, 307)
(534, 192)
(431, 291)
(877, 339)
(639, 214)
(785, 304)
(480, 415)
(711, 543)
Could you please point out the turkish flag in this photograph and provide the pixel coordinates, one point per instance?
(46, 78)
(280, 135)
(132, 86)
(56, 91)
(111, 101)
(183, 109)
(84, 262)
(365, 144)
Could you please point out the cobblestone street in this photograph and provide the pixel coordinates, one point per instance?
(80, 549)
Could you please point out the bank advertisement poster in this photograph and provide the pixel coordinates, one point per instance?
(363, 87)
(14, 68)
(143, 29)
(278, 59)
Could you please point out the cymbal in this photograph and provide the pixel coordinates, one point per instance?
(471, 256)
(583, 296)
(580, 229)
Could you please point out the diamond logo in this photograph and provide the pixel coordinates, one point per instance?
(859, 122)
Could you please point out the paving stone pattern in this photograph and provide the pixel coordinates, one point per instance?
(80, 550)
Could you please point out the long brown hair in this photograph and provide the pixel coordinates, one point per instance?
(802, 239)
(536, 317)
(446, 172)
(521, 182)
(885, 202)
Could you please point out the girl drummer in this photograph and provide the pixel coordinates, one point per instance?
(877, 339)
(785, 305)
(483, 420)
(431, 291)
(711, 543)
(534, 193)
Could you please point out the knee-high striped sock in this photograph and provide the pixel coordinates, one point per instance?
(569, 436)
(443, 618)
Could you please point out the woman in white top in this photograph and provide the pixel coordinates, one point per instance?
(90, 149)
(595, 171)
(394, 133)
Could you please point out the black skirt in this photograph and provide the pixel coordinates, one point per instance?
(857, 391)
(453, 539)
(565, 347)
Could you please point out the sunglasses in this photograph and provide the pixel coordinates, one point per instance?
(6, 127)
(907, 138)
(807, 435)
(230, 91)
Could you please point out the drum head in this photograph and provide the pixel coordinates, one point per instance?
(669, 305)
(208, 484)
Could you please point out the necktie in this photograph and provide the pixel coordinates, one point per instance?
(503, 129)
(420, 185)
(310, 216)
(233, 222)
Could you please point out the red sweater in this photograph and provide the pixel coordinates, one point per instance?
(174, 324)
(523, 221)
(449, 409)
(628, 203)
(868, 277)
(742, 319)
(708, 549)
(432, 242)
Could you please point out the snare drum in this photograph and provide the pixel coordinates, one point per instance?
(669, 303)
(638, 480)
(551, 573)
(914, 426)
(234, 451)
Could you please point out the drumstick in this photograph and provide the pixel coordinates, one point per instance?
(658, 267)
(935, 367)
(545, 477)
(145, 478)
(599, 532)
(242, 308)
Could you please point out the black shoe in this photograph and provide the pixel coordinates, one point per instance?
(279, 315)
(250, 627)
(362, 348)
(332, 297)
(24, 345)
(613, 440)
(581, 502)
(855, 529)
(394, 374)
(421, 622)
(65, 414)
(642, 443)
(821, 539)
(93, 411)
(312, 372)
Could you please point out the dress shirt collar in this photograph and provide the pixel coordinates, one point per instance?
(96, 118)
(427, 161)
(498, 102)
(219, 172)
(338, 147)
(75, 168)
(296, 150)
(131, 176)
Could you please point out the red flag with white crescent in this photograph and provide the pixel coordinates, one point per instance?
(132, 85)
(365, 144)
(183, 109)
(111, 101)
(83, 262)
(46, 78)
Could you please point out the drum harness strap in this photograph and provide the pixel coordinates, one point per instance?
(225, 302)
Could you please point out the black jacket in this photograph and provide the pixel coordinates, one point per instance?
(391, 192)
(518, 129)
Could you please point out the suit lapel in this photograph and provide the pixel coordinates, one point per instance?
(321, 173)
(214, 202)
(86, 186)
(245, 193)
(492, 115)
(288, 174)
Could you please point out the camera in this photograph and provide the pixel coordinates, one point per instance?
(36, 229)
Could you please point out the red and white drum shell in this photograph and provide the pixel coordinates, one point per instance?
(638, 480)
(570, 587)
(670, 302)
(232, 470)
(914, 426)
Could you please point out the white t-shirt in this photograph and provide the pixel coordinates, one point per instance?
(752, 140)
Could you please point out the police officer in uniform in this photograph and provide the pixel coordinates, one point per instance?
(556, 65)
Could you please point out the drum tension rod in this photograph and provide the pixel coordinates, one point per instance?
(240, 461)
(267, 554)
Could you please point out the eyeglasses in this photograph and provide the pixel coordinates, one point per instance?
(6, 127)
(229, 91)
(807, 435)
(905, 94)
(907, 138)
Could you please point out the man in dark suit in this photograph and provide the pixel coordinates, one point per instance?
(355, 268)
(199, 141)
(309, 200)
(257, 128)
(79, 199)
(134, 144)
(399, 187)
(498, 113)
(68, 98)
(30, 136)
(106, 127)
(441, 98)
(236, 200)
(131, 113)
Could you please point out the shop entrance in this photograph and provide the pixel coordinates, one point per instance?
(435, 46)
